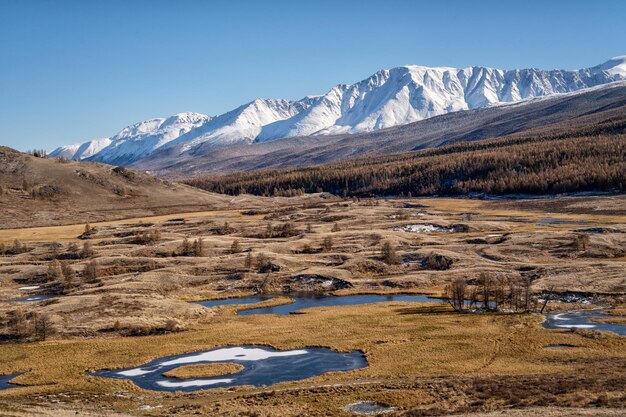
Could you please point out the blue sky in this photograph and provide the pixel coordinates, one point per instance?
(76, 70)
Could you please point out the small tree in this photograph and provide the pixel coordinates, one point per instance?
(185, 247)
(235, 247)
(72, 249)
(309, 228)
(88, 230)
(43, 326)
(55, 271)
(68, 276)
(91, 272)
(262, 262)
(388, 254)
(248, 261)
(455, 293)
(198, 247)
(87, 250)
(485, 283)
(327, 244)
(581, 241)
(18, 324)
(336, 228)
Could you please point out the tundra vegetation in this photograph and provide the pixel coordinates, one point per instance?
(497, 263)
(121, 291)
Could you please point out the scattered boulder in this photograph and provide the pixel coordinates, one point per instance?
(318, 283)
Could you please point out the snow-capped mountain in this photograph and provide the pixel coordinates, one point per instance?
(388, 98)
(136, 141)
(80, 151)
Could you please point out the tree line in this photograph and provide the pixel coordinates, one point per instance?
(544, 164)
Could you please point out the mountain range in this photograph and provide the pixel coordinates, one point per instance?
(389, 98)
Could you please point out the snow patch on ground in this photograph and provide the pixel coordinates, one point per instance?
(576, 326)
(193, 383)
(234, 353)
(422, 228)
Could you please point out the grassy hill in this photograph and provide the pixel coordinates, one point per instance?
(41, 191)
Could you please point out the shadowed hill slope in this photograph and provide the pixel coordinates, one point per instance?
(45, 191)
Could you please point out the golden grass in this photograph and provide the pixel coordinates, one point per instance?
(71, 232)
(398, 339)
(204, 370)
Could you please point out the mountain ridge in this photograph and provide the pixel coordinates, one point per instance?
(597, 106)
(388, 98)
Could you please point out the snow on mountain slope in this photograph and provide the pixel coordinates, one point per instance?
(141, 139)
(388, 98)
(81, 151)
(241, 125)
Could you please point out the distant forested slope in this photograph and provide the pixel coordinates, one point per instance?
(589, 159)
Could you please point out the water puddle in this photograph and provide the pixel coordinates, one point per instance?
(581, 319)
(29, 299)
(559, 221)
(368, 408)
(231, 301)
(4, 381)
(301, 302)
(262, 366)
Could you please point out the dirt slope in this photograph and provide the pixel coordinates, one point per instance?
(42, 192)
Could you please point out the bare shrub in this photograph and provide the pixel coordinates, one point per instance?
(43, 326)
(327, 244)
(149, 237)
(16, 248)
(235, 247)
(388, 254)
(174, 325)
(54, 272)
(46, 192)
(91, 272)
(87, 250)
(437, 262)
(455, 293)
(87, 232)
(195, 248)
(248, 261)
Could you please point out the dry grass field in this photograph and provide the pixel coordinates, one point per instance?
(124, 289)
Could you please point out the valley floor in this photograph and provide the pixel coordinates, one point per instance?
(126, 297)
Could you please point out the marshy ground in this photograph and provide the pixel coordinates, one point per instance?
(123, 292)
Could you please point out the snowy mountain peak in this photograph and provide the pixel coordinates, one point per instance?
(387, 98)
(615, 66)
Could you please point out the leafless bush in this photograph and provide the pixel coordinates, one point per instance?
(437, 262)
(388, 254)
(327, 244)
(91, 272)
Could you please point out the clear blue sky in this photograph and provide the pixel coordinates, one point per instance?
(76, 70)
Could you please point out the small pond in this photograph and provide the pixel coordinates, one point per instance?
(4, 381)
(309, 300)
(230, 301)
(262, 366)
(28, 299)
(581, 319)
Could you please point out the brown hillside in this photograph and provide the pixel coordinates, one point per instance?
(41, 191)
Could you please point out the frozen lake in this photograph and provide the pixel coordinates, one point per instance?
(262, 366)
(580, 319)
